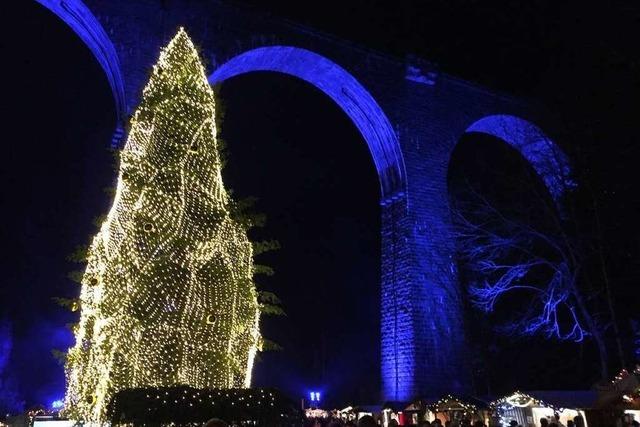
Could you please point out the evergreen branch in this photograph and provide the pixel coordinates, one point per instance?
(272, 310)
(73, 327)
(76, 276)
(79, 254)
(268, 345)
(99, 220)
(72, 304)
(60, 356)
(268, 297)
(265, 246)
(262, 269)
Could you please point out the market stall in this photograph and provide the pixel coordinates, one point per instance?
(456, 409)
(394, 411)
(528, 408)
(620, 399)
(448, 409)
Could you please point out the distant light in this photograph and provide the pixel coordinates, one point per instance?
(314, 396)
(57, 404)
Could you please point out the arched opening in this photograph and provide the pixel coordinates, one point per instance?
(295, 149)
(544, 156)
(56, 170)
(372, 125)
(80, 19)
(344, 90)
(495, 168)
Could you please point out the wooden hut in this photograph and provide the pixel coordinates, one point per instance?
(528, 408)
(455, 409)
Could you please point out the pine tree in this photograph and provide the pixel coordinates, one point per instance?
(168, 296)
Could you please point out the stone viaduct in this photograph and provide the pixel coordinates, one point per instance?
(410, 116)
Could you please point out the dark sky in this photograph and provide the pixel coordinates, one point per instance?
(323, 208)
(58, 115)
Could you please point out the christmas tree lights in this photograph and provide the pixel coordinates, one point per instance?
(167, 296)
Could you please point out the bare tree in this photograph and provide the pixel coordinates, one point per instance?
(534, 263)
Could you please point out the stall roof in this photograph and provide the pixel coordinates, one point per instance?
(570, 399)
(468, 400)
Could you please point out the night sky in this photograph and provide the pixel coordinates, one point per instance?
(282, 136)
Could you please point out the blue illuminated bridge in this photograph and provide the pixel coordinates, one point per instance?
(411, 118)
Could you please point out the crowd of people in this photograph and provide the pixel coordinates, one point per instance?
(370, 421)
(577, 421)
(365, 421)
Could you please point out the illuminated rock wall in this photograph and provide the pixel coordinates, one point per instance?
(411, 117)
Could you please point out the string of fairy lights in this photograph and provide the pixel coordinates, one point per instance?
(628, 383)
(188, 406)
(450, 402)
(167, 296)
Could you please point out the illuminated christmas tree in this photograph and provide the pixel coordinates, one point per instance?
(168, 296)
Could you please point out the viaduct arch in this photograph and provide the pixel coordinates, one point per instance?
(411, 117)
(343, 89)
(546, 158)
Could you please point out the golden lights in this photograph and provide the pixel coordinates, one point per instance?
(168, 296)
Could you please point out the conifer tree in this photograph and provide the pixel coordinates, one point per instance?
(167, 296)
